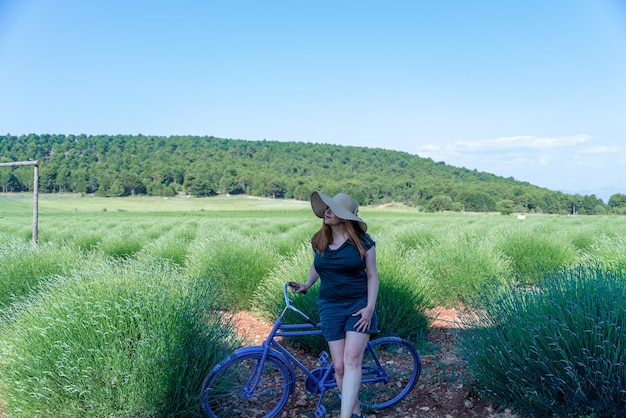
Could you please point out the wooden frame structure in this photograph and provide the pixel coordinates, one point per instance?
(35, 164)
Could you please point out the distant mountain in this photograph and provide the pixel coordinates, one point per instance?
(123, 165)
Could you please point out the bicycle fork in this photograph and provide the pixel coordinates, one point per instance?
(250, 386)
(266, 350)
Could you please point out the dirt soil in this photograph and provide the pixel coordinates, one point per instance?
(442, 391)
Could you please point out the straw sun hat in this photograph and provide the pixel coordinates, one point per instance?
(342, 205)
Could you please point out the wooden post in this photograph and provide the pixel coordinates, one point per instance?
(36, 204)
(36, 194)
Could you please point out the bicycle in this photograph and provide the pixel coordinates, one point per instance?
(257, 381)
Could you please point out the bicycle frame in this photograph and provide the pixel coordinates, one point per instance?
(318, 380)
(272, 347)
(378, 371)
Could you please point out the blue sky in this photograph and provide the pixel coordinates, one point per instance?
(533, 89)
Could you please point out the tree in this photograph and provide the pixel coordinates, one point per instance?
(617, 201)
(275, 189)
(203, 165)
(5, 178)
(198, 185)
(505, 207)
(477, 201)
(589, 204)
(439, 203)
(116, 189)
(230, 183)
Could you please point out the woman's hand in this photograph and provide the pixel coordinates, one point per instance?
(364, 323)
(298, 287)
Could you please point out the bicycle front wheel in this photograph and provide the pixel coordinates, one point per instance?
(391, 368)
(237, 387)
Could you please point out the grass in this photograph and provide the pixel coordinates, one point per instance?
(24, 267)
(118, 339)
(459, 263)
(233, 263)
(533, 254)
(110, 315)
(456, 253)
(555, 349)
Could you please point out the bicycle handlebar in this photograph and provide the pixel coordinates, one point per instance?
(288, 301)
(289, 305)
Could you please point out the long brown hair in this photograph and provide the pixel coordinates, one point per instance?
(324, 237)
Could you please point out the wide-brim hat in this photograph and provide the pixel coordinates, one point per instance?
(342, 205)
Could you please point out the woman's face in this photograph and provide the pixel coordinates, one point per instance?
(330, 218)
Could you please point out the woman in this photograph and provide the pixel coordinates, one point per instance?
(345, 261)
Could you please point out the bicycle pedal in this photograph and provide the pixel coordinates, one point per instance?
(320, 412)
(323, 359)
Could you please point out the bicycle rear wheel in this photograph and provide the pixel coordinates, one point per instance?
(391, 368)
(228, 390)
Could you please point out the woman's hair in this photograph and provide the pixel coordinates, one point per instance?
(324, 237)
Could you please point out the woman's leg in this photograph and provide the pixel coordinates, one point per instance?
(336, 353)
(354, 347)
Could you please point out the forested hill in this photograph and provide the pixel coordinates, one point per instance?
(125, 165)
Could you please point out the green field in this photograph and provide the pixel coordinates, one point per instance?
(140, 284)
(452, 253)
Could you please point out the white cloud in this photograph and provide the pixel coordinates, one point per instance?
(506, 143)
(569, 163)
(600, 149)
(430, 147)
(514, 150)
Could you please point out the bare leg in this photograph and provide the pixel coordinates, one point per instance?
(336, 353)
(351, 380)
